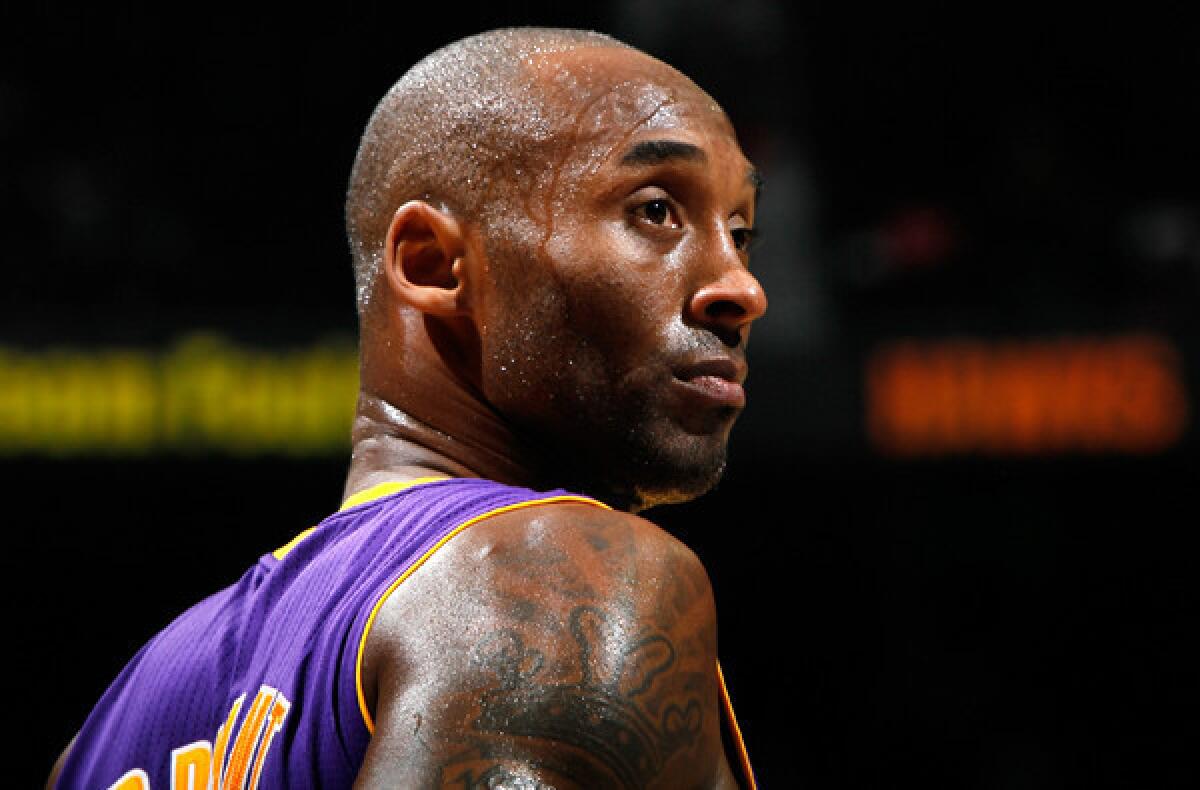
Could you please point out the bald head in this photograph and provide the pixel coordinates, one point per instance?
(550, 240)
(463, 130)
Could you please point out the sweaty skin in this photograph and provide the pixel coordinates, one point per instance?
(598, 344)
(593, 339)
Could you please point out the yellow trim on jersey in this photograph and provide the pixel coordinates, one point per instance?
(362, 643)
(283, 550)
(743, 755)
(374, 492)
(384, 489)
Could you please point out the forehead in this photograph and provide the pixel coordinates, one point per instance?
(606, 97)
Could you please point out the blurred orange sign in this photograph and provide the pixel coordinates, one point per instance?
(1120, 394)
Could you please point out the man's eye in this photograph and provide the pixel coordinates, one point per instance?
(743, 238)
(657, 212)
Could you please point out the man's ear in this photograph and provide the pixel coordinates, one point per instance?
(422, 259)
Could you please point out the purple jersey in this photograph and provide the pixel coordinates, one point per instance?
(259, 685)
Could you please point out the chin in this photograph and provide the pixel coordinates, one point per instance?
(634, 477)
(653, 498)
(634, 464)
(677, 474)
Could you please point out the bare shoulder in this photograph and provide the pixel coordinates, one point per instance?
(563, 644)
(574, 524)
(549, 544)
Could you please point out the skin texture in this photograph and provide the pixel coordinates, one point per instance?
(568, 648)
(585, 329)
(646, 279)
(564, 345)
(593, 341)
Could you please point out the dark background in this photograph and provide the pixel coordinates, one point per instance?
(960, 619)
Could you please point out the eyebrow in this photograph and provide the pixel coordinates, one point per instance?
(756, 180)
(654, 152)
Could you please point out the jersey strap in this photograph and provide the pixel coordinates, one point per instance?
(735, 734)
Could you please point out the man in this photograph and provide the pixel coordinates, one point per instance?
(550, 235)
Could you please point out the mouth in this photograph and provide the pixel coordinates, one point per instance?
(715, 381)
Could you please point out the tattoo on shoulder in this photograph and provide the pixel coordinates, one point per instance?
(499, 778)
(611, 720)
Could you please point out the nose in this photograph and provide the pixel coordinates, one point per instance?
(729, 304)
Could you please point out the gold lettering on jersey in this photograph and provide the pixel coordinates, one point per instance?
(202, 765)
(190, 766)
(274, 724)
(218, 758)
(247, 739)
(132, 780)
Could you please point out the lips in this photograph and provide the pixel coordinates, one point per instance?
(716, 380)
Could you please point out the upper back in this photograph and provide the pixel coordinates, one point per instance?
(261, 682)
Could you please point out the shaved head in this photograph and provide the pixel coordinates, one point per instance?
(463, 129)
(549, 232)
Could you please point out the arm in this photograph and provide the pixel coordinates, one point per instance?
(562, 646)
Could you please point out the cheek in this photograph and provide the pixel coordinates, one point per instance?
(520, 342)
(627, 333)
(537, 358)
(587, 320)
(621, 296)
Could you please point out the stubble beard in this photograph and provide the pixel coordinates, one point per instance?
(605, 437)
(672, 470)
(626, 454)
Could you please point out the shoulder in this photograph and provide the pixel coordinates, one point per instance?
(575, 538)
(560, 624)
(552, 558)
(560, 554)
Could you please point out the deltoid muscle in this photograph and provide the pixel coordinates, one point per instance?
(602, 715)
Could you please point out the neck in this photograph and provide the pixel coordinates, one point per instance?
(391, 444)
(421, 414)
